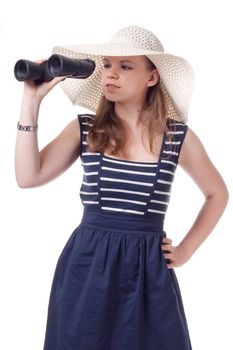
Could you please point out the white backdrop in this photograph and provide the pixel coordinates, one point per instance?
(36, 223)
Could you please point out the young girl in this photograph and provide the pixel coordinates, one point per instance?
(115, 287)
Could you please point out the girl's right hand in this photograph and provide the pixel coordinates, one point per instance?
(37, 92)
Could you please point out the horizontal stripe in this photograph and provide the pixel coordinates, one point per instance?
(171, 152)
(90, 163)
(88, 193)
(176, 132)
(122, 200)
(128, 171)
(162, 192)
(90, 202)
(119, 161)
(126, 181)
(156, 211)
(91, 173)
(159, 202)
(168, 162)
(90, 153)
(124, 210)
(166, 171)
(172, 142)
(164, 182)
(86, 116)
(90, 183)
(86, 123)
(124, 191)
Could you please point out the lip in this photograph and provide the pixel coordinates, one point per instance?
(112, 86)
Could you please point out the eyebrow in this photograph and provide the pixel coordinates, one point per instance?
(128, 61)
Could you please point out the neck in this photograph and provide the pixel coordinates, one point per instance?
(130, 113)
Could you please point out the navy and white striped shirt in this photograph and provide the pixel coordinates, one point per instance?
(134, 189)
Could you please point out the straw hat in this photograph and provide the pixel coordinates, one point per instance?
(176, 74)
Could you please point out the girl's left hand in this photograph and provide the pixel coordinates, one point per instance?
(176, 254)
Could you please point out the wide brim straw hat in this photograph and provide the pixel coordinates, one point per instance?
(176, 74)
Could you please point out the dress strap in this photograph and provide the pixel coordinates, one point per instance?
(84, 121)
(173, 141)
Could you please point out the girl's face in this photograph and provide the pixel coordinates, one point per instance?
(126, 79)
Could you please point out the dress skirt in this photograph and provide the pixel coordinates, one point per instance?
(112, 290)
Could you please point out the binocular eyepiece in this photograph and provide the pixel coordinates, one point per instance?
(55, 66)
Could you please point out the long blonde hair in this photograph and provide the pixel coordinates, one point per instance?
(108, 130)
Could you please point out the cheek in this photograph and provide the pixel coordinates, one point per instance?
(138, 85)
(104, 75)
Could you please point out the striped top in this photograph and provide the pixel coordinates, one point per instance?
(130, 188)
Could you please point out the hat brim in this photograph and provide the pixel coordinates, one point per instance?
(176, 76)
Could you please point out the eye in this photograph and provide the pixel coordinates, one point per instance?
(126, 67)
(123, 66)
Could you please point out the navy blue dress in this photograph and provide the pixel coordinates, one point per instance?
(112, 289)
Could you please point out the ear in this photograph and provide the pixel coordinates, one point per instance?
(154, 77)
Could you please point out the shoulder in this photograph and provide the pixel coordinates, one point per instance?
(192, 149)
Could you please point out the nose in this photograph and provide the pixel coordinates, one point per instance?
(112, 73)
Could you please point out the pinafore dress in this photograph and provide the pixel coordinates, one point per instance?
(112, 289)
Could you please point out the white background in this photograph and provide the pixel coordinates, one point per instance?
(36, 223)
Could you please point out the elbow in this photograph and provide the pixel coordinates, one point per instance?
(30, 182)
(24, 183)
(27, 179)
(223, 199)
(225, 195)
(221, 196)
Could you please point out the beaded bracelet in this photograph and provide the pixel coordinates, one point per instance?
(31, 128)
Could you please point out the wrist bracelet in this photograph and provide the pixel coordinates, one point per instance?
(31, 128)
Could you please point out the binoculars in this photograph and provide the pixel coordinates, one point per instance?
(55, 66)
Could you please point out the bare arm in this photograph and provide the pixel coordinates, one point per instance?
(34, 167)
(195, 161)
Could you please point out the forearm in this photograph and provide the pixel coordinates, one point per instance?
(27, 158)
(205, 222)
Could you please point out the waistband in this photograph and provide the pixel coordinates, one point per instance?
(120, 222)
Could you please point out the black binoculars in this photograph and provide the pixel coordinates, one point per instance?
(55, 66)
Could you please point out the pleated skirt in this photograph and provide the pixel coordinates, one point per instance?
(112, 290)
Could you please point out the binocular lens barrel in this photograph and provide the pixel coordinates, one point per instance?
(59, 66)
(55, 66)
(21, 70)
(28, 70)
(25, 70)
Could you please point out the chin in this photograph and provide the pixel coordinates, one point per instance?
(111, 99)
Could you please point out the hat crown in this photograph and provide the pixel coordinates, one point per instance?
(138, 37)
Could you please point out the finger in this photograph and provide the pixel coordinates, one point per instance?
(169, 256)
(54, 81)
(41, 60)
(58, 79)
(170, 266)
(168, 247)
(167, 240)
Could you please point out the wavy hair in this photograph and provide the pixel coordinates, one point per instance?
(109, 131)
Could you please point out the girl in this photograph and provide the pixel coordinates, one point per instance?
(115, 287)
